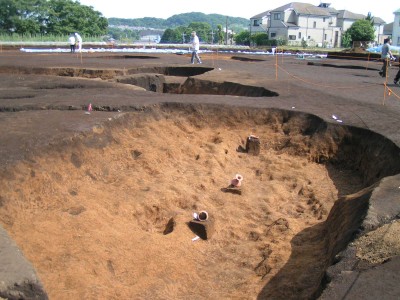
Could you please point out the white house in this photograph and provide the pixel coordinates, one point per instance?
(317, 25)
(298, 21)
(347, 18)
(396, 28)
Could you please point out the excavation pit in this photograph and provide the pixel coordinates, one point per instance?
(90, 213)
(166, 80)
(128, 57)
(163, 84)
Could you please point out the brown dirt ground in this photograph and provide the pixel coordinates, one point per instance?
(87, 197)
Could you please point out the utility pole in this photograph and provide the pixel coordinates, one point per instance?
(212, 36)
(250, 34)
(226, 32)
(183, 37)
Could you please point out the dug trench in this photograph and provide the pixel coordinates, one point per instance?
(173, 80)
(91, 213)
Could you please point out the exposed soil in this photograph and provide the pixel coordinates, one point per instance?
(99, 203)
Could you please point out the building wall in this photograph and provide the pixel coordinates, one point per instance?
(259, 25)
(346, 24)
(294, 27)
(396, 30)
(379, 37)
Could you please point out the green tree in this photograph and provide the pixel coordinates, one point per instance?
(346, 40)
(220, 34)
(361, 30)
(370, 18)
(304, 43)
(26, 26)
(50, 16)
(184, 34)
(67, 16)
(8, 12)
(202, 29)
(123, 34)
(260, 39)
(171, 36)
(22, 16)
(243, 38)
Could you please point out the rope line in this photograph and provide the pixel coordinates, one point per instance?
(314, 83)
(387, 91)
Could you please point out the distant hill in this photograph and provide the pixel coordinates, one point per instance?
(181, 20)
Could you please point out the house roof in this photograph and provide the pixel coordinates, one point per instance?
(378, 20)
(331, 10)
(304, 9)
(345, 14)
(259, 16)
(287, 24)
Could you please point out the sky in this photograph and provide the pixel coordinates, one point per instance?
(167, 8)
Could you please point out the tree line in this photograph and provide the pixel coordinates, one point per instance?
(55, 17)
(237, 24)
(177, 29)
(182, 34)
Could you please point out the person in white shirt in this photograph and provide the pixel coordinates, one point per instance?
(78, 41)
(72, 42)
(195, 48)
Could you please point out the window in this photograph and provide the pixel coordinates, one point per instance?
(273, 34)
(299, 35)
(309, 37)
(277, 16)
(323, 20)
(292, 37)
(315, 24)
(325, 37)
(255, 23)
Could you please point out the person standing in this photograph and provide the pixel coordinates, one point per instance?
(72, 42)
(386, 56)
(78, 41)
(195, 48)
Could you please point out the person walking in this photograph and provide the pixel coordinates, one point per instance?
(72, 42)
(195, 48)
(78, 41)
(386, 56)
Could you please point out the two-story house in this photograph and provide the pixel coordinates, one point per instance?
(297, 22)
(317, 25)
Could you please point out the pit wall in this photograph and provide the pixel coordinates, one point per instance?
(353, 217)
(182, 71)
(371, 155)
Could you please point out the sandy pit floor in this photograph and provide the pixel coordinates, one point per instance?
(90, 214)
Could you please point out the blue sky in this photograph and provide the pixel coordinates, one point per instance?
(167, 8)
